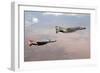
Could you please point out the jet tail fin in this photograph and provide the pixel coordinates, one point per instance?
(30, 42)
(57, 29)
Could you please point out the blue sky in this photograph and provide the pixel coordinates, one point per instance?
(50, 19)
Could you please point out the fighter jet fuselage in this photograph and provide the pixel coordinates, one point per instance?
(68, 30)
(40, 43)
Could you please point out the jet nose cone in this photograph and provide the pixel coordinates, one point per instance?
(82, 28)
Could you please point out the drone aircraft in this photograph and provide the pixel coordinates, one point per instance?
(40, 43)
(68, 30)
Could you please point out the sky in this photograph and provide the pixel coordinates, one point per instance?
(40, 25)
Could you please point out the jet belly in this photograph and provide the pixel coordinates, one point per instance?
(71, 29)
(42, 43)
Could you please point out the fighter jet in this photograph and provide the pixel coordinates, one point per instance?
(68, 30)
(40, 43)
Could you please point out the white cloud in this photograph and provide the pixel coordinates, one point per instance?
(50, 13)
(79, 15)
(35, 20)
(67, 14)
(73, 14)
